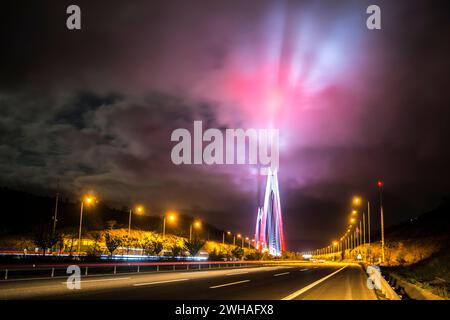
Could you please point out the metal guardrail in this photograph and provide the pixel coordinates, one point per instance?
(60, 270)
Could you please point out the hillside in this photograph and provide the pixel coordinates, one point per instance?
(22, 212)
(419, 252)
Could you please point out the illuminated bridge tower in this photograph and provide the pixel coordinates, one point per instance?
(269, 233)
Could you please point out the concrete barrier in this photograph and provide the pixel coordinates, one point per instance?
(387, 290)
(379, 283)
(413, 291)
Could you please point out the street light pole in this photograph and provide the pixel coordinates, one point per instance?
(360, 232)
(129, 223)
(164, 228)
(223, 237)
(195, 224)
(380, 188)
(79, 230)
(351, 240)
(368, 221)
(364, 228)
(55, 217)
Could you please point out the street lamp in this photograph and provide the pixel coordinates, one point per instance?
(172, 218)
(139, 210)
(89, 200)
(223, 236)
(197, 224)
(354, 212)
(239, 236)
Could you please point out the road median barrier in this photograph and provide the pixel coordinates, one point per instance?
(385, 289)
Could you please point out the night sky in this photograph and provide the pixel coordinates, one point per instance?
(95, 108)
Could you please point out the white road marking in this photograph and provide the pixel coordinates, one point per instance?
(280, 274)
(99, 280)
(158, 282)
(228, 284)
(195, 272)
(235, 273)
(310, 286)
(304, 269)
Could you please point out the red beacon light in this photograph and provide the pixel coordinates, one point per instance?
(379, 183)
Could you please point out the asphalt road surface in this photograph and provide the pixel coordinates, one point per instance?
(288, 282)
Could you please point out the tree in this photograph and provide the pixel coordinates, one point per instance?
(194, 246)
(95, 250)
(289, 255)
(152, 245)
(112, 242)
(45, 238)
(254, 255)
(177, 249)
(238, 252)
(129, 242)
(111, 224)
(216, 255)
(60, 245)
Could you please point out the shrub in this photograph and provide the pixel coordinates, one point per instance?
(178, 250)
(216, 255)
(194, 246)
(45, 238)
(112, 242)
(152, 245)
(254, 255)
(237, 252)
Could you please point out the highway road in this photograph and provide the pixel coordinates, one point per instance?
(299, 281)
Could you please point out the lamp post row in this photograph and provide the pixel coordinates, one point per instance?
(91, 200)
(354, 239)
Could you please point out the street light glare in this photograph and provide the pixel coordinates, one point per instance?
(88, 199)
(139, 209)
(172, 216)
(197, 224)
(354, 212)
(239, 235)
(356, 200)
